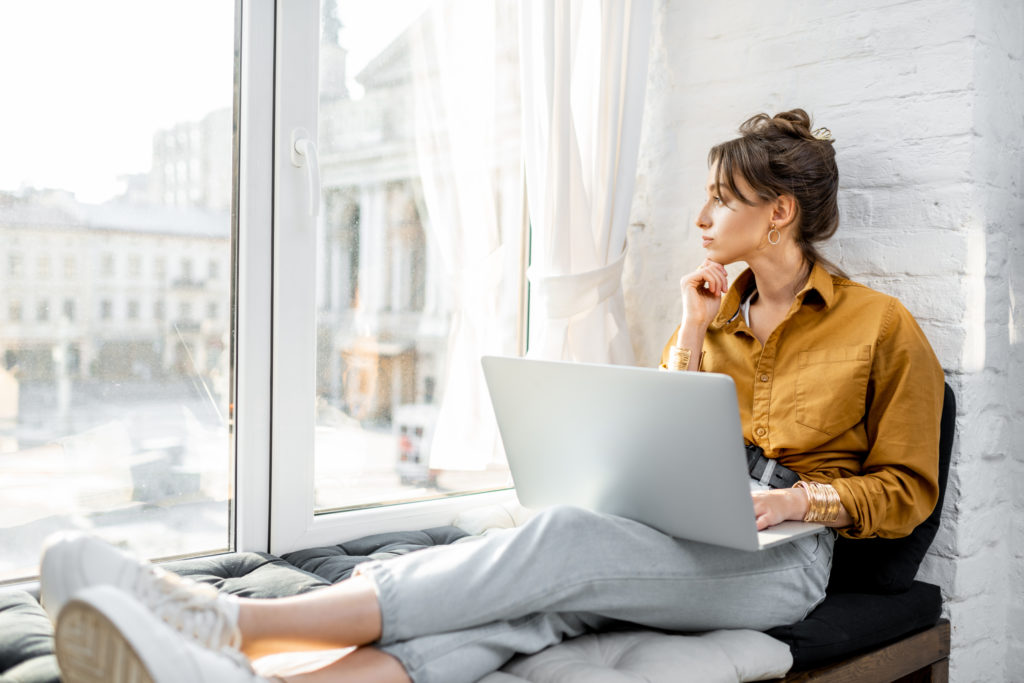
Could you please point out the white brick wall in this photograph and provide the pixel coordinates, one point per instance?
(926, 101)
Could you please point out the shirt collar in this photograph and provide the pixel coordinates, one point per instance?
(820, 281)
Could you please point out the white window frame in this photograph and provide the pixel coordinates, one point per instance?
(252, 266)
(293, 523)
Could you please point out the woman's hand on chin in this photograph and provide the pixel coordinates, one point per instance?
(778, 505)
(702, 291)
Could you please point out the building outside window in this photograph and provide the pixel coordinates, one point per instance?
(111, 434)
(387, 308)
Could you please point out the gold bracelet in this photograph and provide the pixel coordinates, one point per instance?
(678, 358)
(823, 501)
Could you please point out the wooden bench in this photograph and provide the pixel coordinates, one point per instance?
(920, 658)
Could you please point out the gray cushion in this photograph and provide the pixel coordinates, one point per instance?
(26, 641)
(249, 575)
(336, 562)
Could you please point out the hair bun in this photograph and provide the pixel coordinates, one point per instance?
(795, 123)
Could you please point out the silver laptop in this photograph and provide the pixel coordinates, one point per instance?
(663, 448)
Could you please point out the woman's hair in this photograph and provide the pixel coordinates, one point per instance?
(780, 155)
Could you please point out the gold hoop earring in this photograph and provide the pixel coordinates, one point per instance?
(778, 235)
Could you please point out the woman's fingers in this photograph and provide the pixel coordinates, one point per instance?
(716, 272)
(709, 276)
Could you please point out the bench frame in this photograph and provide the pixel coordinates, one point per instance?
(920, 658)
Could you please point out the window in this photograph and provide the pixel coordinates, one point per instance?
(400, 238)
(134, 266)
(111, 433)
(374, 273)
(107, 265)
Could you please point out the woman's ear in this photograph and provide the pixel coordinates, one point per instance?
(784, 210)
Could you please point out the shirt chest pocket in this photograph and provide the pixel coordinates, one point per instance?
(831, 387)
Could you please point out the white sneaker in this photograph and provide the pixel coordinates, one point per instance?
(73, 561)
(105, 635)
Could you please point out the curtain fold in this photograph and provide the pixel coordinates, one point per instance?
(583, 72)
(472, 192)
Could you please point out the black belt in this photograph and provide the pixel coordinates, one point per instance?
(781, 477)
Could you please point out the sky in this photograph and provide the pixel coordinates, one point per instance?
(84, 85)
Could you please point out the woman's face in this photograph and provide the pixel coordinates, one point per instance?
(731, 230)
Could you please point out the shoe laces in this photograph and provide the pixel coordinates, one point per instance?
(195, 609)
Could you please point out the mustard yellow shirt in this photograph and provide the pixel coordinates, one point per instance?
(846, 391)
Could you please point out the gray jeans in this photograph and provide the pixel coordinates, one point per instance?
(455, 613)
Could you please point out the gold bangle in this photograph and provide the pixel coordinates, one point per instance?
(678, 358)
(823, 502)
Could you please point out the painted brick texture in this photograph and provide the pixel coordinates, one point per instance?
(926, 102)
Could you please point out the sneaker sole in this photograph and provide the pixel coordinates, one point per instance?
(91, 649)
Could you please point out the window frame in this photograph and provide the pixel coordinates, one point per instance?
(252, 261)
(293, 523)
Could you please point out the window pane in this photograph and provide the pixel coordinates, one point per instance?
(113, 418)
(418, 263)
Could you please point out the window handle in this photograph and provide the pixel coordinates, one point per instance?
(304, 154)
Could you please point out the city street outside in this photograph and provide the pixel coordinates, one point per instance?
(146, 465)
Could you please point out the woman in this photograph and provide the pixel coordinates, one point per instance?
(835, 382)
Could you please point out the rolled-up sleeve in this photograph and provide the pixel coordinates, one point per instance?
(898, 485)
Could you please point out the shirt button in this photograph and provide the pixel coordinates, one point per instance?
(764, 378)
(761, 431)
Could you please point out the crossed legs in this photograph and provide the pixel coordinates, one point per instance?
(346, 614)
(455, 613)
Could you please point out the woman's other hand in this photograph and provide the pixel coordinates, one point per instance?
(702, 291)
(778, 505)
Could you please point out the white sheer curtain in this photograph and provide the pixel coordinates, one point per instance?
(471, 173)
(584, 71)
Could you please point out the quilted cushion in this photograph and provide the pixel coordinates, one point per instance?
(26, 641)
(647, 655)
(336, 562)
(248, 575)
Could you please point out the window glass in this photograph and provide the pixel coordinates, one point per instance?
(113, 421)
(418, 261)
